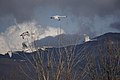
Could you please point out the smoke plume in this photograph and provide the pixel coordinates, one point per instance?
(11, 39)
(92, 17)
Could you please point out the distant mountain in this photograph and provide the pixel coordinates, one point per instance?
(94, 44)
(60, 40)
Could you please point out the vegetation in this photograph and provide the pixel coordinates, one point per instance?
(88, 61)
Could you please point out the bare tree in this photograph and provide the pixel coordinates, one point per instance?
(105, 65)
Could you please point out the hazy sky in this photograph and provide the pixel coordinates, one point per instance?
(92, 17)
(81, 13)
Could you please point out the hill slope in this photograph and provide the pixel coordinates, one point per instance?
(108, 43)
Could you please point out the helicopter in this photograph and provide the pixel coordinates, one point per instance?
(57, 17)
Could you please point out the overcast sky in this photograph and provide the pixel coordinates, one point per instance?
(92, 17)
(76, 10)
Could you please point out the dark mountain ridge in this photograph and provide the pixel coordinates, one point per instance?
(108, 44)
(102, 40)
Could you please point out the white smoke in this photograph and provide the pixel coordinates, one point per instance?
(11, 39)
(96, 25)
(102, 25)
